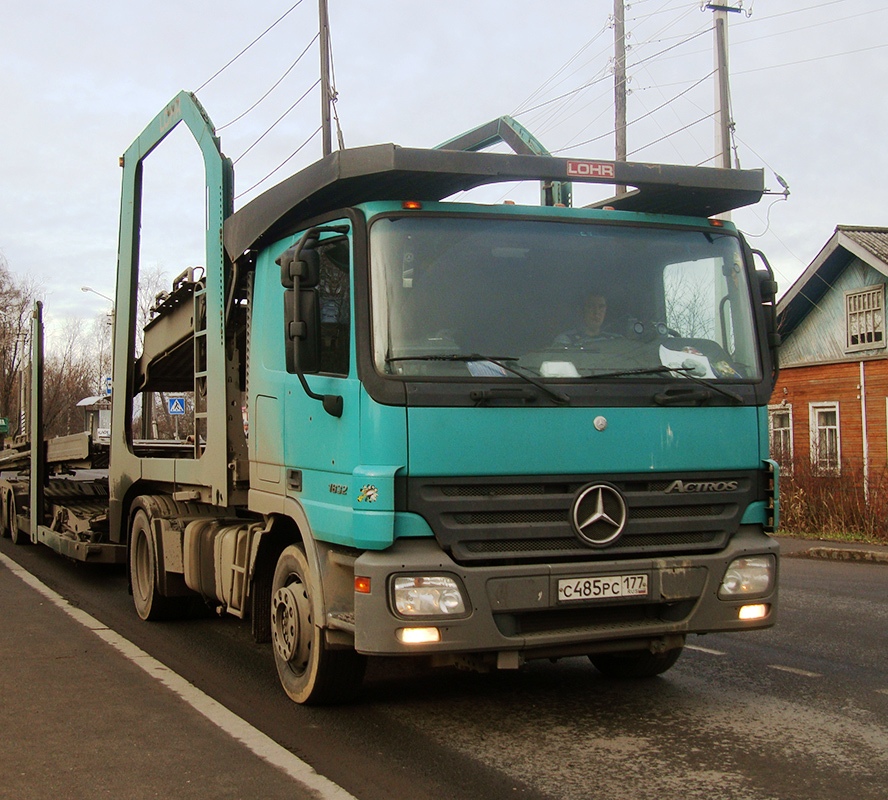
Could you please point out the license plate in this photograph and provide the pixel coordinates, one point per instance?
(603, 587)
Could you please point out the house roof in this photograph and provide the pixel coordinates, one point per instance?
(847, 243)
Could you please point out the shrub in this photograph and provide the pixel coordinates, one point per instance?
(835, 504)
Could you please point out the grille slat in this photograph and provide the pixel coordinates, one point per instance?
(513, 519)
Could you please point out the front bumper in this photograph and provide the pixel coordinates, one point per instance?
(515, 608)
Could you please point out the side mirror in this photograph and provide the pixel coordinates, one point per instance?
(767, 287)
(300, 263)
(303, 330)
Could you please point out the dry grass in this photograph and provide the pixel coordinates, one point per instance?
(835, 506)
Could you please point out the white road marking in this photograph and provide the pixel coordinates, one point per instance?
(705, 650)
(803, 672)
(239, 729)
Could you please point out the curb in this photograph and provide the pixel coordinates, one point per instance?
(841, 554)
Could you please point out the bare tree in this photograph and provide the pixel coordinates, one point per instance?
(153, 283)
(17, 298)
(97, 350)
(689, 302)
(68, 377)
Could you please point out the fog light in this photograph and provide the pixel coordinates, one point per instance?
(748, 576)
(758, 611)
(428, 596)
(418, 635)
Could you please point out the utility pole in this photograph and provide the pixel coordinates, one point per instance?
(620, 85)
(723, 121)
(326, 89)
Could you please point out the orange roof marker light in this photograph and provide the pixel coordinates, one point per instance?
(411, 205)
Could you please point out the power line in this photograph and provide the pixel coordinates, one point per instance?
(281, 117)
(684, 41)
(557, 117)
(566, 94)
(643, 116)
(277, 83)
(591, 122)
(557, 72)
(798, 29)
(284, 162)
(678, 130)
(811, 60)
(273, 24)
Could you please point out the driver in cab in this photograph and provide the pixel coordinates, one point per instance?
(589, 332)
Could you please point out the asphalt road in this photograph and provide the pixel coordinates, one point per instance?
(798, 711)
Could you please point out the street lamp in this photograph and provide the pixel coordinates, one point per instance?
(104, 296)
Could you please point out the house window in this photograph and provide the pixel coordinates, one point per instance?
(780, 427)
(865, 318)
(825, 441)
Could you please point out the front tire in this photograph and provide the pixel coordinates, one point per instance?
(5, 529)
(310, 672)
(150, 604)
(635, 663)
(18, 536)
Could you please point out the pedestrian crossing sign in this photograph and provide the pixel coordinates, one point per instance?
(176, 406)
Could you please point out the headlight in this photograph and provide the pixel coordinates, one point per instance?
(428, 596)
(751, 575)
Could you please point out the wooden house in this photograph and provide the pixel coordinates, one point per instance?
(829, 410)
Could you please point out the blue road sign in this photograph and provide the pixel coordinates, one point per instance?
(176, 406)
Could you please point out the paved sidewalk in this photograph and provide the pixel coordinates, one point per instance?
(86, 714)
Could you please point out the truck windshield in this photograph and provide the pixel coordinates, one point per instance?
(452, 296)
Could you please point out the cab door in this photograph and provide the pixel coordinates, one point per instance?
(321, 402)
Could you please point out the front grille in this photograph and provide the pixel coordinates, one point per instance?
(485, 491)
(509, 519)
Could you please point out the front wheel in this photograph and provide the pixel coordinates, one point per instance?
(5, 528)
(149, 602)
(18, 536)
(635, 663)
(309, 671)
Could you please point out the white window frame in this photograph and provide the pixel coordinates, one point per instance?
(817, 463)
(865, 317)
(786, 454)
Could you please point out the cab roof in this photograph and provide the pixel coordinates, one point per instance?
(389, 172)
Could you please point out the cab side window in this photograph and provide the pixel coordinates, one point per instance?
(334, 296)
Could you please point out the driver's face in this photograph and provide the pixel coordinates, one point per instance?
(594, 313)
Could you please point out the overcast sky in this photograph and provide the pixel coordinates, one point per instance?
(81, 81)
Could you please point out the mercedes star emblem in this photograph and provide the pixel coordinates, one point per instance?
(599, 514)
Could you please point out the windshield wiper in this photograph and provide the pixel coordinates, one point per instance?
(667, 398)
(499, 361)
(709, 384)
(687, 372)
(622, 373)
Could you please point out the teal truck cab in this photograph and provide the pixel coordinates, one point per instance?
(474, 433)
